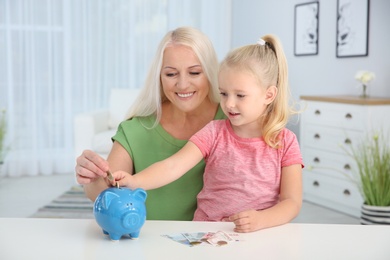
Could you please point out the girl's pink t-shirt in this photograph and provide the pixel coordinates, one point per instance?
(240, 173)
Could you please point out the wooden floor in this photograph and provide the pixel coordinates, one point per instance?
(22, 197)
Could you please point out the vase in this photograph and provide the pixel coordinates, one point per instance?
(375, 215)
(364, 92)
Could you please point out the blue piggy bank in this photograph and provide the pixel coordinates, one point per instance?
(120, 211)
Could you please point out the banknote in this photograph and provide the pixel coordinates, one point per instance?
(219, 238)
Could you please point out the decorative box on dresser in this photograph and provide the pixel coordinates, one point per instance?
(329, 126)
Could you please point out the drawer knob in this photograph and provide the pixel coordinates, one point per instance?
(316, 184)
(347, 192)
(348, 116)
(316, 160)
(317, 112)
(317, 136)
(347, 167)
(347, 141)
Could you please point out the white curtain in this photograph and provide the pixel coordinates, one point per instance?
(62, 57)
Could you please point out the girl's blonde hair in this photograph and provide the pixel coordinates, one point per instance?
(267, 62)
(150, 99)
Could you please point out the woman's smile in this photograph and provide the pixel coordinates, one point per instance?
(185, 95)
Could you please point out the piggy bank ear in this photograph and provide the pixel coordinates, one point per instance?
(108, 196)
(140, 193)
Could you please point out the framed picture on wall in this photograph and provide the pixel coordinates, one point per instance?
(306, 29)
(352, 28)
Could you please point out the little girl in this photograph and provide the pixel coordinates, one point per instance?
(253, 174)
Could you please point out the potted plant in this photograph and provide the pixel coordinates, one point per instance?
(3, 128)
(372, 157)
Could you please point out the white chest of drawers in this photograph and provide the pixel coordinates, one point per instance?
(330, 124)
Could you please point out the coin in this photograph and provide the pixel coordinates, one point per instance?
(222, 243)
(110, 176)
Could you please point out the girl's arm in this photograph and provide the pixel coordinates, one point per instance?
(162, 172)
(287, 209)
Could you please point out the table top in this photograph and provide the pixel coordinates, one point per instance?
(33, 238)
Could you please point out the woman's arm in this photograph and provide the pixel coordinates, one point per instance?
(287, 209)
(163, 172)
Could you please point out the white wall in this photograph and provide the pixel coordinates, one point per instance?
(322, 74)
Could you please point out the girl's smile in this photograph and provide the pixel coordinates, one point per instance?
(233, 115)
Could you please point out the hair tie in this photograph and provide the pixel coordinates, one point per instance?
(261, 42)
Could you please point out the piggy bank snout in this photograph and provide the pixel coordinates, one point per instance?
(132, 220)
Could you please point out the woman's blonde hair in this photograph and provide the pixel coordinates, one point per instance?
(268, 64)
(150, 99)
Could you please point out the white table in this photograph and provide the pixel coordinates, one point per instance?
(28, 238)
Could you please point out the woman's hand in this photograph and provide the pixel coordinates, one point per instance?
(90, 166)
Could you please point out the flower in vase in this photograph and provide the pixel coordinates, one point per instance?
(364, 77)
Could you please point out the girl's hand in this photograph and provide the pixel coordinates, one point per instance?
(246, 221)
(122, 179)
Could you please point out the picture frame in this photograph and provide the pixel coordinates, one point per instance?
(306, 29)
(352, 28)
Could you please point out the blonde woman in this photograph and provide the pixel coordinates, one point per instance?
(253, 174)
(180, 97)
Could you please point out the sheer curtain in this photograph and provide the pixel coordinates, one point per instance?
(62, 57)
